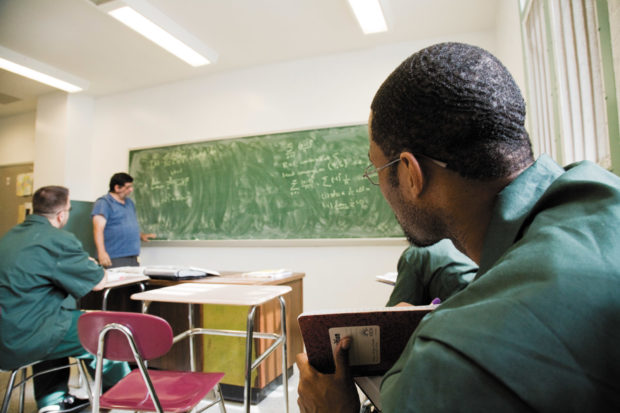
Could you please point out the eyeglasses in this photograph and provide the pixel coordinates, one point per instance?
(371, 173)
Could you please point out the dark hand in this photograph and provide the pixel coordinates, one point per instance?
(328, 393)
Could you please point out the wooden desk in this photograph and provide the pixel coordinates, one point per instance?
(250, 296)
(209, 351)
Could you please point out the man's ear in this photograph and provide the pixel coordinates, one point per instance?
(411, 177)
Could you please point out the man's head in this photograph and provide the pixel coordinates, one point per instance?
(121, 184)
(451, 114)
(455, 103)
(53, 203)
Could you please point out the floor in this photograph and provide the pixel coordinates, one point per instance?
(273, 403)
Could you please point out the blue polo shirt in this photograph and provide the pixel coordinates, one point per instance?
(122, 232)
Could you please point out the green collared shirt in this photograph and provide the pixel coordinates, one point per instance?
(41, 267)
(538, 328)
(426, 273)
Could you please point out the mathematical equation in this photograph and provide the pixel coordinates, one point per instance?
(336, 178)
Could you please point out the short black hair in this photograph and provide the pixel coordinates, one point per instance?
(456, 103)
(49, 199)
(120, 179)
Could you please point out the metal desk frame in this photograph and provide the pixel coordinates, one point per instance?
(249, 334)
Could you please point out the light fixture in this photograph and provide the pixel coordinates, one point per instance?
(151, 23)
(369, 15)
(35, 70)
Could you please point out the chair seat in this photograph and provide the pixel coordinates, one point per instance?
(178, 391)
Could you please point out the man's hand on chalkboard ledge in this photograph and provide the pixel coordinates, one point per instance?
(147, 237)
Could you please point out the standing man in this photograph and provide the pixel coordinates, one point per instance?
(115, 225)
(42, 266)
(537, 328)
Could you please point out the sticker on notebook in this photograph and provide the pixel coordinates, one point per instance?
(365, 348)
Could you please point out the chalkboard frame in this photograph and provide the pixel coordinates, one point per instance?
(267, 242)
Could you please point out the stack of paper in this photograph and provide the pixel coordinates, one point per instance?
(171, 272)
(388, 278)
(121, 273)
(269, 274)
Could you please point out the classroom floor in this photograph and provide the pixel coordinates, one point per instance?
(273, 403)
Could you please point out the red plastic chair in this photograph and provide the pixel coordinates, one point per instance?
(140, 337)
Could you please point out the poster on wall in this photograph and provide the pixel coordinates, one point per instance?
(23, 184)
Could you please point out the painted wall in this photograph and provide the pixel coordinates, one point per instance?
(17, 139)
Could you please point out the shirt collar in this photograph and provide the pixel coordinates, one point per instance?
(111, 198)
(512, 207)
(38, 219)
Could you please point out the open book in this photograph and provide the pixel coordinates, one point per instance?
(171, 272)
(379, 336)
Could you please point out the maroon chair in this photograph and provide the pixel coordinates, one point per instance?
(140, 337)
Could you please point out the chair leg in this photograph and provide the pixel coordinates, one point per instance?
(84, 377)
(9, 390)
(219, 395)
(22, 391)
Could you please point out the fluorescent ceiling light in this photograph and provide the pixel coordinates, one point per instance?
(35, 70)
(157, 27)
(369, 15)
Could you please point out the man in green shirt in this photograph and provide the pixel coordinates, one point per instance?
(427, 273)
(537, 328)
(44, 270)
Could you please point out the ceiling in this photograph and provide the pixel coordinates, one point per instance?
(76, 37)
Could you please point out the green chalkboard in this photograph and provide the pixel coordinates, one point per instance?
(295, 185)
(81, 224)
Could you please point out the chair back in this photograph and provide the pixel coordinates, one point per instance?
(152, 334)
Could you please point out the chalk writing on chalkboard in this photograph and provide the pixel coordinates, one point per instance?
(294, 185)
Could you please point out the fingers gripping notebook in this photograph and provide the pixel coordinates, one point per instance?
(379, 336)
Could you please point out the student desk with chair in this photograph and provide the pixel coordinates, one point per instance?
(245, 296)
(226, 352)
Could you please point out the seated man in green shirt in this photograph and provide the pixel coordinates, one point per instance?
(44, 270)
(427, 273)
(537, 328)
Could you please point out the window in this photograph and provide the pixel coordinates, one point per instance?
(566, 50)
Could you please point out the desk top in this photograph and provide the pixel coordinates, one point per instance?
(201, 293)
(235, 277)
(114, 282)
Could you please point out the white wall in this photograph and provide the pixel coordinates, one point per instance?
(509, 44)
(17, 139)
(304, 94)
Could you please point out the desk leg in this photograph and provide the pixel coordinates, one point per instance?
(284, 352)
(104, 304)
(145, 304)
(247, 391)
(190, 321)
(106, 292)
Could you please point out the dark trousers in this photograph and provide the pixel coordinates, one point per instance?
(125, 261)
(51, 388)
